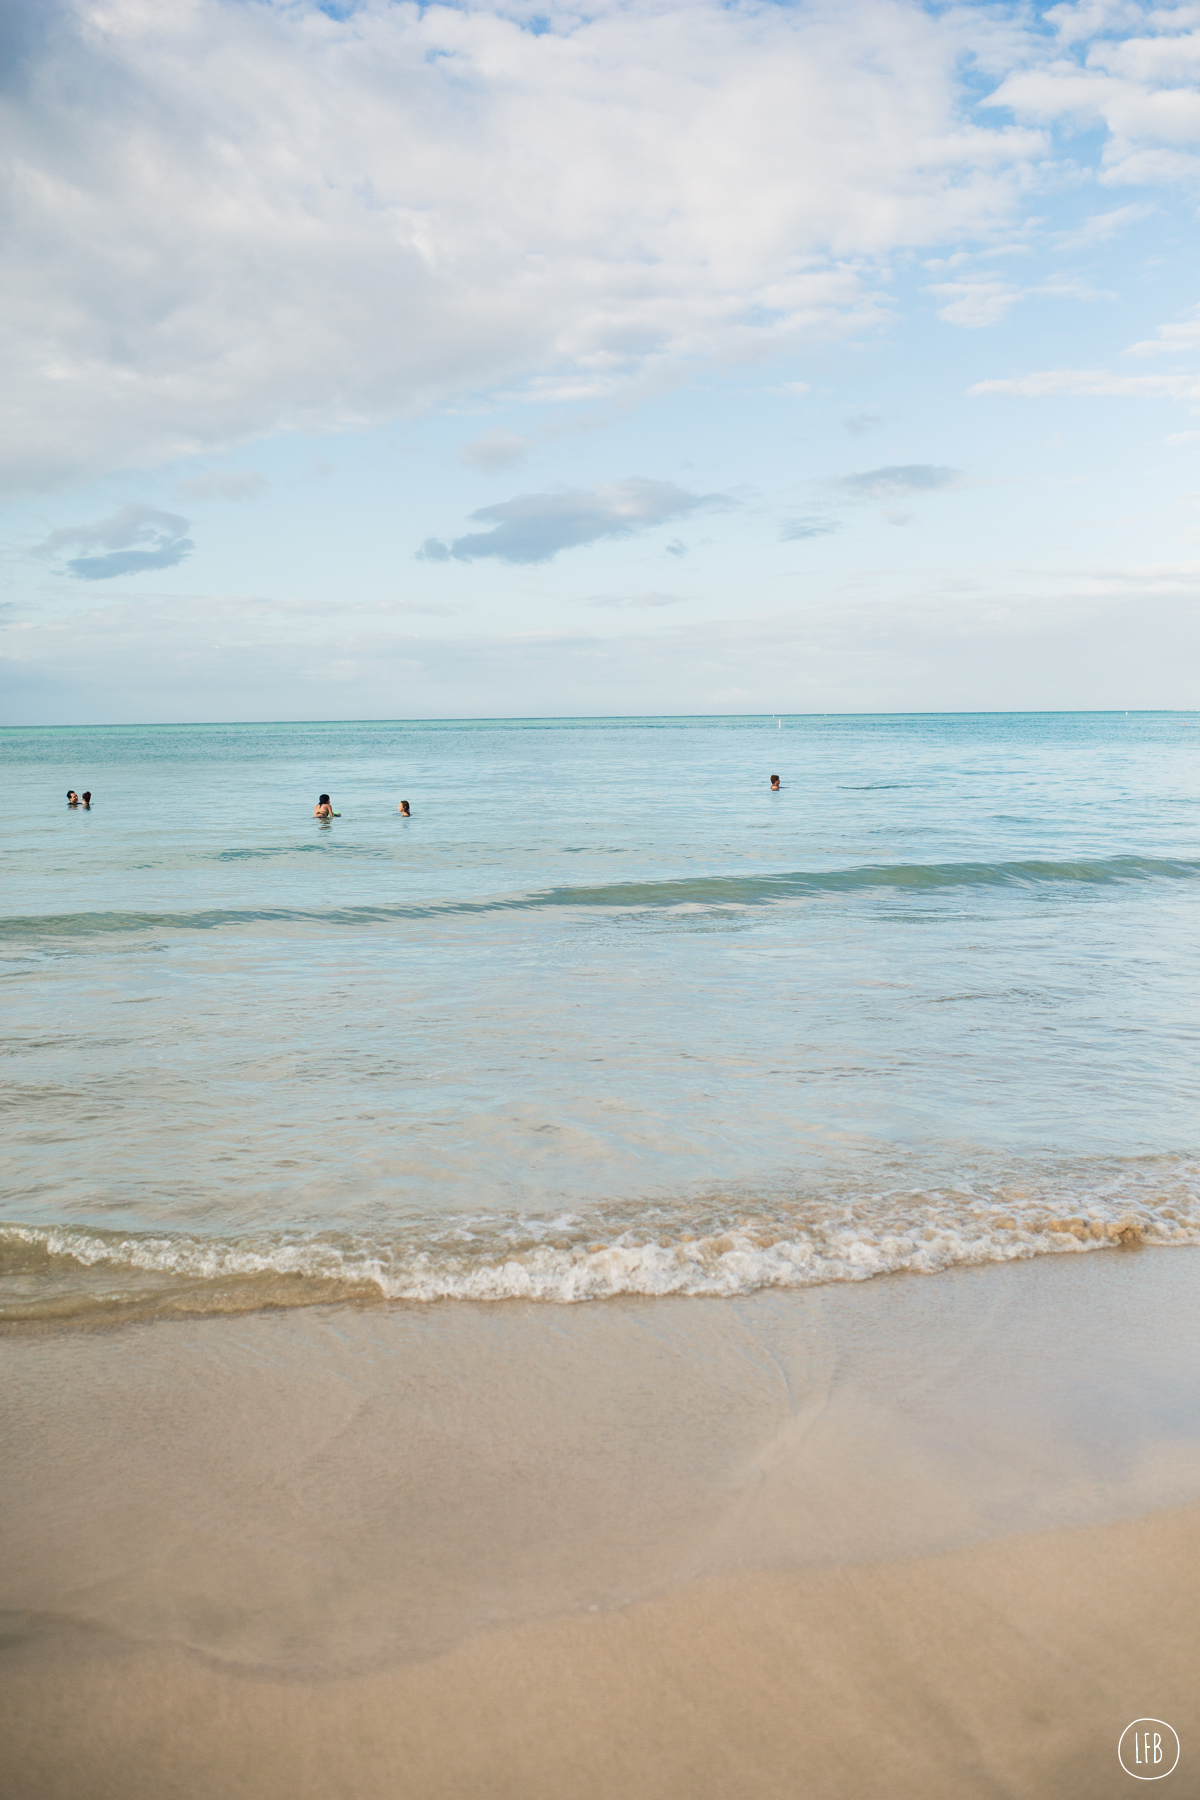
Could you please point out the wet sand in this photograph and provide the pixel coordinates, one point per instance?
(919, 1536)
(1009, 1669)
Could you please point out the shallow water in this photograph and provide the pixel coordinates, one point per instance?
(604, 1016)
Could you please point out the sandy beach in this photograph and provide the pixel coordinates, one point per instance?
(916, 1536)
(1002, 1670)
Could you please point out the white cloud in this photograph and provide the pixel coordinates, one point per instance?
(981, 300)
(975, 303)
(227, 220)
(1094, 382)
(1100, 228)
(1179, 335)
(1086, 18)
(1139, 85)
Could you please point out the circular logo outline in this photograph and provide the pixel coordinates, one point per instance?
(1130, 1772)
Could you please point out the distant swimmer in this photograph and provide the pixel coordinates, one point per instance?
(323, 809)
(87, 799)
(404, 810)
(774, 784)
(72, 797)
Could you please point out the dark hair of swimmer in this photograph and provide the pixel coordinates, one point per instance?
(72, 796)
(324, 800)
(774, 781)
(405, 810)
(86, 796)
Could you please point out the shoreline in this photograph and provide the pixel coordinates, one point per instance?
(75, 1274)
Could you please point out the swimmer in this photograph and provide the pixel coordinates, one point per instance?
(72, 797)
(323, 809)
(774, 784)
(404, 810)
(86, 797)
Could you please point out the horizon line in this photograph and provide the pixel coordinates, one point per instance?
(996, 712)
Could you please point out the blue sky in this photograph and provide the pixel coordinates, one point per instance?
(383, 361)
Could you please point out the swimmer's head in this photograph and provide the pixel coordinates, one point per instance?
(774, 781)
(86, 796)
(404, 809)
(324, 800)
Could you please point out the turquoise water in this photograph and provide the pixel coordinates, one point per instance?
(604, 1016)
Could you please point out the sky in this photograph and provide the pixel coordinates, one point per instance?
(374, 360)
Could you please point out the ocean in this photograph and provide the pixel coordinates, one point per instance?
(605, 1017)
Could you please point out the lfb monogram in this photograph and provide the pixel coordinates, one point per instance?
(1148, 1749)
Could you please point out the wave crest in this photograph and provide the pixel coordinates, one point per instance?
(713, 891)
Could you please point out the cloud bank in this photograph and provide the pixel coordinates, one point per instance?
(1030, 642)
(230, 220)
(531, 528)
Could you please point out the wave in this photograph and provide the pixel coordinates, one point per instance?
(73, 1273)
(636, 896)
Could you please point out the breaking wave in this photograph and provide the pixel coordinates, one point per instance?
(711, 1249)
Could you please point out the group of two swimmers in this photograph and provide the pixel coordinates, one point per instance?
(84, 799)
(324, 810)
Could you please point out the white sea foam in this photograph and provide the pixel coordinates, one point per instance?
(703, 1250)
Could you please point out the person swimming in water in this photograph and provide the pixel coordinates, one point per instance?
(72, 797)
(323, 809)
(774, 784)
(86, 797)
(405, 812)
